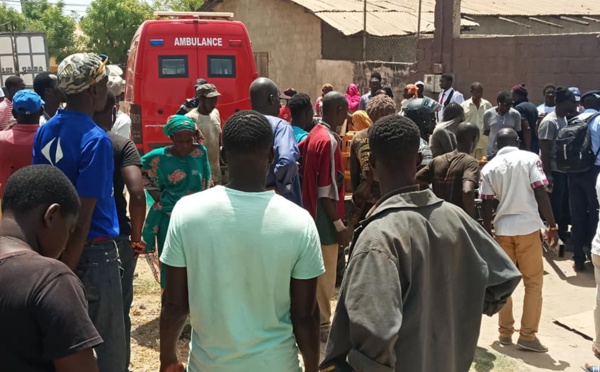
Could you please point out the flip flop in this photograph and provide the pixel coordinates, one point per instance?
(591, 368)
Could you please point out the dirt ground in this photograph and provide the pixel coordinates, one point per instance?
(565, 294)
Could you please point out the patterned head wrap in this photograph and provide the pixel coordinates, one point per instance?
(361, 120)
(79, 71)
(413, 90)
(177, 123)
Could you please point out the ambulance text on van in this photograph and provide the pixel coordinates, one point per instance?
(196, 41)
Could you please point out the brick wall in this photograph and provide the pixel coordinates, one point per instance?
(500, 62)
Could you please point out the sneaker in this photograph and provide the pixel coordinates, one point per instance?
(505, 340)
(532, 345)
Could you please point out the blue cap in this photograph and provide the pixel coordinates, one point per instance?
(595, 93)
(27, 102)
(576, 92)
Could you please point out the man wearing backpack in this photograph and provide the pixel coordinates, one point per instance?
(582, 191)
(557, 180)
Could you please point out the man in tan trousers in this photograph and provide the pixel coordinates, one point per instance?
(516, 178)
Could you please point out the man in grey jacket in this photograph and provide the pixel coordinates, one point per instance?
(420, 275)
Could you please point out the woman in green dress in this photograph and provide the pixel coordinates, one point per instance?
(171, 173)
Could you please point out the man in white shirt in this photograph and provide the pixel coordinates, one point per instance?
(499, 117)
(516, 178)
(122, 125)
(549, 100)
(475, 107)
(208, 122)
(448, 94)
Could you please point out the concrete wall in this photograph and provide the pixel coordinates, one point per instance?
(342, 73)
(336, 46)
(491, 25)
(499, 63)
(291, 36)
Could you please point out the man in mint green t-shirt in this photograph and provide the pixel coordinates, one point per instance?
(243, 262)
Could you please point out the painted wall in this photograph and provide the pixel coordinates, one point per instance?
(291, 36)
(501, 62)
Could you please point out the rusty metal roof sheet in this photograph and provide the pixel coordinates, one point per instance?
(384, 17)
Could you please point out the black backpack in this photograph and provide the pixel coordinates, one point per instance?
(574, 152)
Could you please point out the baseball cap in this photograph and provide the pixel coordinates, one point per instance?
(420, 83)
(199, 82)
(27, 102)
(207, 90)
(576, 92)
(79, 71)
(288, 93)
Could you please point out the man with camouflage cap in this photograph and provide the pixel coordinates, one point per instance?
(72, 142)
(208, 122)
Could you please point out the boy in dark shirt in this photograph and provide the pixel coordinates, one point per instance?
(127, 173)
(44, 325)
(455, 175)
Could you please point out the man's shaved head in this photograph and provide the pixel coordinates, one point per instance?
(467, 137)
(264, 96)
(507, 137)
(335, 109)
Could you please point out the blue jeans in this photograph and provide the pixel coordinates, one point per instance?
(584, 210)
(560, 203)
(128, 263)
(100, 274)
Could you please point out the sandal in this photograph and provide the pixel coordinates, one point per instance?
(589, 368)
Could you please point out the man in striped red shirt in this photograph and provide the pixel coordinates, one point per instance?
(13, 84)
(516, 178)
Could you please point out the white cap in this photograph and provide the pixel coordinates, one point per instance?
(1, 93)
(116, 84)
(113, 70)
(420, 83)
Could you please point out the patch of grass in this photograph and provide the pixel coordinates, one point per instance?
(486, 361)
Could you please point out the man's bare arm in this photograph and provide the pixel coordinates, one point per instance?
(468, 197)
(487, 206)
(132, 175)
(305, 320)
(173, 315)
(526, 134)
(77, 240)
(546, 150)
(81, 361)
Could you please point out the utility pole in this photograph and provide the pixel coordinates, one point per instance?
(23, 2)
(364, 46)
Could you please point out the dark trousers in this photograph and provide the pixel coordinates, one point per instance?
(560, 203)
(584, 210)
(128, 262)
(100, 274)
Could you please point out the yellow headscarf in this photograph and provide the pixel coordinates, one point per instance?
(361, 120)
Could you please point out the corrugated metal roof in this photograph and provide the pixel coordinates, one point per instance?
(384, 17)
(529, 8)
(399, 17)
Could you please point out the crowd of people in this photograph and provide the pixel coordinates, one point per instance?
(250, 253)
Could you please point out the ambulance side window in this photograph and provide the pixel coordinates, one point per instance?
(173, 66)
(221, 66)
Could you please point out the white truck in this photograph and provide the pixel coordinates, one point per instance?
(24, 54)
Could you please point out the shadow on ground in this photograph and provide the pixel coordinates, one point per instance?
(147, 335)
(539, 360)
(583, 279)
(484, 360)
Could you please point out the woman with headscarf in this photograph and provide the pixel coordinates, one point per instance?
(353, 97)
(411, 91)
(171, 173)
(319, 104)
(360, 120)
(365, 190)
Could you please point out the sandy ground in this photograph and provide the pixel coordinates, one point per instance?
(565, 294)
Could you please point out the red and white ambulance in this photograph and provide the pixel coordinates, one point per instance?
(169, 54)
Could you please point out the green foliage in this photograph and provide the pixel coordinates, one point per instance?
(8, 16)
(179, 5)
(110, 25)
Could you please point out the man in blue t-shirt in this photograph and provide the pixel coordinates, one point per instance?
(72, 142)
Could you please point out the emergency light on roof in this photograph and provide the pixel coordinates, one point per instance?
(195, 15)
(157, 42)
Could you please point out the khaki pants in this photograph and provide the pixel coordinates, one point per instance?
(526, 252)
(596, 262)
(326, 282)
